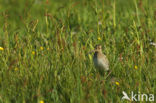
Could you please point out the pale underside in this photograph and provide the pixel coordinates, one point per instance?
(101, 63)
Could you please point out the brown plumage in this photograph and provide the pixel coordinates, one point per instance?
(100, 60)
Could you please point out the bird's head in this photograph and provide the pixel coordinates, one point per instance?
(98, 48)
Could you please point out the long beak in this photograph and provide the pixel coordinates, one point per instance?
(91, 52)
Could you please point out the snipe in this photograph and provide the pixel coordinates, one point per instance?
(100, 60)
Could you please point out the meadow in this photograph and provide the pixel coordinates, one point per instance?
(45, 45)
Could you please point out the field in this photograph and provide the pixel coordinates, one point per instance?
(45, 50)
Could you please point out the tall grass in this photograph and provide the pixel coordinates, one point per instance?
(46, 46)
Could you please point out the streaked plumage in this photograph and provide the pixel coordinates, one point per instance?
(100, 60)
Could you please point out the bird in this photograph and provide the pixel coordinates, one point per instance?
(100, 60)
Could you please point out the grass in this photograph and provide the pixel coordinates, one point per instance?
(46, 44)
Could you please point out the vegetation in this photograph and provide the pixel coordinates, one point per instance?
(45, 45)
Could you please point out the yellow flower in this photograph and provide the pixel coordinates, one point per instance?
(117, 83)
(1, 48)
(48, 48)
(16, 69)
(99, 38)
(33, 52)
(135, 67)
(41, 101)
(41, 48)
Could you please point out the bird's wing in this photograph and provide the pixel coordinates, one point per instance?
(103, 63)
(106, 61)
